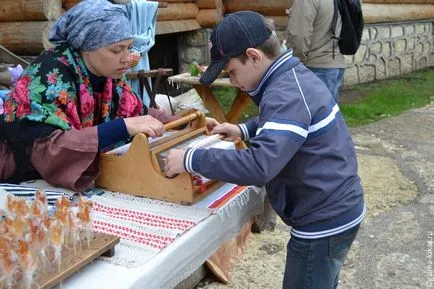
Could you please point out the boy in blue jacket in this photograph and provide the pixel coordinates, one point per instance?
(300, 149)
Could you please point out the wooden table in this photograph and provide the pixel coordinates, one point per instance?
(241, 101)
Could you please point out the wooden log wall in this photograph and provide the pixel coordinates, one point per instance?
(266, 8)
(207, 18)
(272, 9)
(210, 12)
(377, 13)
(30, 10)
(177, 11)
(178, 16)
(25, 38)
(206, 4)
(24, 24)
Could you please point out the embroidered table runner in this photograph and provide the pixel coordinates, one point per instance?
(147, 226)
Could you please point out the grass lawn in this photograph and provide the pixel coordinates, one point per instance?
(366, 103)
(387, 98)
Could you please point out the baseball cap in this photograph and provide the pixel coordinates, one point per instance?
(232, 36)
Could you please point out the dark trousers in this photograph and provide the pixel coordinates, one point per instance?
(316, 263)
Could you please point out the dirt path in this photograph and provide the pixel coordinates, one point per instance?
(393, 249)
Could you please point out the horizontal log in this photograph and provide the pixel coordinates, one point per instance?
(376, 13)
(206, 4)
(67, 4)
(174, 26)
(270, 7)
(30, 10)
(25, 38)
(280, 22)
(176, 11)
(208, 18)
(399, 1)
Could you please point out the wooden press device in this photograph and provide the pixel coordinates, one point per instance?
(139, 171)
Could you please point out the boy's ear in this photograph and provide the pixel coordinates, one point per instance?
(255, 56)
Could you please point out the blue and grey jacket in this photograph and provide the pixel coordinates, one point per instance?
(300, 149)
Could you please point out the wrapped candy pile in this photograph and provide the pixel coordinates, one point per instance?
(32, 241)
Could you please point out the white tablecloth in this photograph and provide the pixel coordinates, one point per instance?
(180, 259)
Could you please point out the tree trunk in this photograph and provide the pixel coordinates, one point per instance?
(176, 11)
(25, 38)
(376, 13)
(270, 7)
(30, 10)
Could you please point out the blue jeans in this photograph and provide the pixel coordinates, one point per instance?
(332, 78)
(316, 263)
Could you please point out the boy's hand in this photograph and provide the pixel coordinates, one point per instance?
(174, 163)
(230, 130)
(211, 123)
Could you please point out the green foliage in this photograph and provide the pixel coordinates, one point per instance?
(194, 71)
(388, 98)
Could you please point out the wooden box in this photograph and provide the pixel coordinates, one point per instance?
(139, 170)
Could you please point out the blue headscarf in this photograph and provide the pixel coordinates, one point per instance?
(92, 24)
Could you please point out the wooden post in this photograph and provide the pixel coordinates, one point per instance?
(211, 103)
(30, 10)
(238, 106)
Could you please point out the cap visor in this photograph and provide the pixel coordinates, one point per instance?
(213, 71)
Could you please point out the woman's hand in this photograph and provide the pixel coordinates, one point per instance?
(231, 131)
(144, 124)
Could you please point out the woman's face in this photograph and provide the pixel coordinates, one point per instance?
(110, 61)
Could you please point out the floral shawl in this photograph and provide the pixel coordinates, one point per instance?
(55, 90)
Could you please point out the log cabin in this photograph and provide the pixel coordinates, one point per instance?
(182, 26)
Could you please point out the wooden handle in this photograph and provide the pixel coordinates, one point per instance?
(183, 120)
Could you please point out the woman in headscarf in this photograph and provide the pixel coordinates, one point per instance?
(73, 101)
